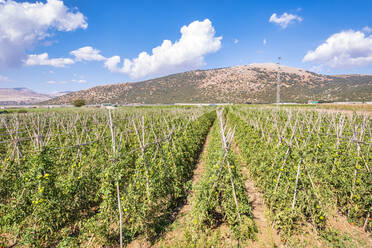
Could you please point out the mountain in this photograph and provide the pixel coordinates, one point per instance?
(17, 96)
(21, 96)
(254, 83)
(61, 93)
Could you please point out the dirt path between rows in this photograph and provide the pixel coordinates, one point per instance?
(176, 232)
(176, 235)
(339, 222)
(267, 236)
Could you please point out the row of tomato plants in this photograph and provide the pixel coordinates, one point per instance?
(304, 178)
(220, 195)
(148, 201)
(67, 197)
(29, 132)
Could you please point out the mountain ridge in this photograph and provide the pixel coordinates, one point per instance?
(23, 95)
(254, 83)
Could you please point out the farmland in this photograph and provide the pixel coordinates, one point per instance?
(185, 177)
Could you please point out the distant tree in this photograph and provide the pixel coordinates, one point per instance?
(78, 102)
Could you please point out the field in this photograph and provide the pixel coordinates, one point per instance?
(234, 176)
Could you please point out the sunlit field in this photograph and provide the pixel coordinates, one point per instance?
(185, 176)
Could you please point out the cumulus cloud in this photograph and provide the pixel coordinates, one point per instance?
(345, 49)
(23, 24)
(367, 29)
(236, 41)
(87, 53)
(43, 59)
(197, 40)
(51, 82)
(264, 41)
(285, 19)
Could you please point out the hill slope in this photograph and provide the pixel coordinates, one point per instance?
(253, 83)
(16, 96)
(21, 96)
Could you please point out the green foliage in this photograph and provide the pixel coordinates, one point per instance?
(193, 87)
(59, 176)
(21, 111)
(57, 193)
(332, 171)
(214, 201)
(78, 102)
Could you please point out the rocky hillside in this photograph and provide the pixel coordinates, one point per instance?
(254, 83)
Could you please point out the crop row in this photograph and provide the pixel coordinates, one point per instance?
(309, 165)
(220, 196)
(68, 179)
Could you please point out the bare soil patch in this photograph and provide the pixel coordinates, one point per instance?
(358, 235)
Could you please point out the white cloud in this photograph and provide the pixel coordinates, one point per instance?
(3, 78)
(285, 19)
(367, 29)
(197, 40)
(236, 41)
(80, 81)
(87, 53)
(51, 82)
(264, 41)
(24, 24)
(43, 59)
(345, 49)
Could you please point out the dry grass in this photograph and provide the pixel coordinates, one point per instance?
(350, 107)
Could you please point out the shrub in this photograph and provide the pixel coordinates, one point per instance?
(79, 102)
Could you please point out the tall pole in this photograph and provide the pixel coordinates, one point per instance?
(278, 83)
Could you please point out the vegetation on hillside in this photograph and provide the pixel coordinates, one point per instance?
(239, 84)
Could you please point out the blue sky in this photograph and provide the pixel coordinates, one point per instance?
(330, 37)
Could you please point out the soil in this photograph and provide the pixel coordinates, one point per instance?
(267, 235)
(339, 222)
